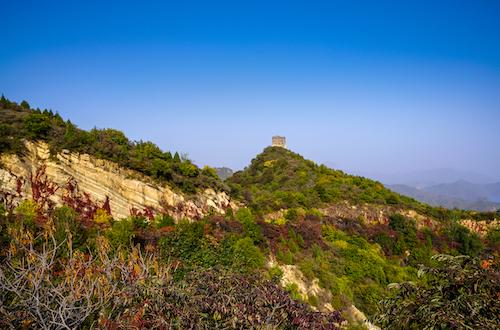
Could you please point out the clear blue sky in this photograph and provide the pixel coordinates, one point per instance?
(370, 86)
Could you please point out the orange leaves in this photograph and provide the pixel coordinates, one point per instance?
(485, 264)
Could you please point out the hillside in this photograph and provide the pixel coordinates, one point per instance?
(278, 178)
(20, 122)
(281, 179)
(123, 189)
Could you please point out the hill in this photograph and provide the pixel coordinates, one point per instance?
(281, 179)
(20, 122)
(425, 178)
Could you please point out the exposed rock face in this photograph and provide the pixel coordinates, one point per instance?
(379, 214)
(125, 188)
(305, 287)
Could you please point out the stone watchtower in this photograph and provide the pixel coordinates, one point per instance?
(279, 141)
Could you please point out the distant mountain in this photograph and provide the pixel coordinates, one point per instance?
(425, 178)
(224, 172)
(460, 194)
(466, 190)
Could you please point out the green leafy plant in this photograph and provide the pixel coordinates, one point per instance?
(460, 292)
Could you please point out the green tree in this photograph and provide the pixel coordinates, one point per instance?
(25, 105)
(37, 125)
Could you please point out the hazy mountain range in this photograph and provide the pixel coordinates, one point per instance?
(224, 172)
(460, 194)
(431, 177)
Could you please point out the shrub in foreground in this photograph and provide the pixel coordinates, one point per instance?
(460, 293)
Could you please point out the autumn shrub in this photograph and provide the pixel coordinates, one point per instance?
(40, 290)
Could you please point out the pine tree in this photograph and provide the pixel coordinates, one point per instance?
(25, 105)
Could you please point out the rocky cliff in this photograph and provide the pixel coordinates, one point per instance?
(126, 189)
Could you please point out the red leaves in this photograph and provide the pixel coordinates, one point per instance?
(42, 189)
(146, 212)
(82, 203)
(249, 301)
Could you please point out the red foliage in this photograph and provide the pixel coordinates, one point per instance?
(167, 229)
(82, 203)
(42, 189)
(146, 212)
(273, 233)
(221, 226)
(310, 231)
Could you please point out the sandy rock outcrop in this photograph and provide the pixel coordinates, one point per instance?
(306, 288)
(126, 189)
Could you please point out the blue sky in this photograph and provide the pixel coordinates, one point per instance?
(366, 86)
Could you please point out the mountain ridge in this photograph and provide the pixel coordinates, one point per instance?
(460, 194)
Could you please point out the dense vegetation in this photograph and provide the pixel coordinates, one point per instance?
(19, 122)
(166, 271)
(63, 267)
(281, 179)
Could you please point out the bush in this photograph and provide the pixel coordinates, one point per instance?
(183, 242)
(26, 213)
(121, 233)
(163, 220)
(469, 243)
(252, 229)
(275, 274)
(134, 290)
(68, 228)
(493, 239)
(460, 292)
(247, 256)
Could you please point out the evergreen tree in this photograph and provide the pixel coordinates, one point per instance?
(25, 105)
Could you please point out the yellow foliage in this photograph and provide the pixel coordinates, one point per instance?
(269, 163)
(279, 221)
(27, 209)
(340, 244)
(101, 216)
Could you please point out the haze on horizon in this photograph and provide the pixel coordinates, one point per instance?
(368, 86)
